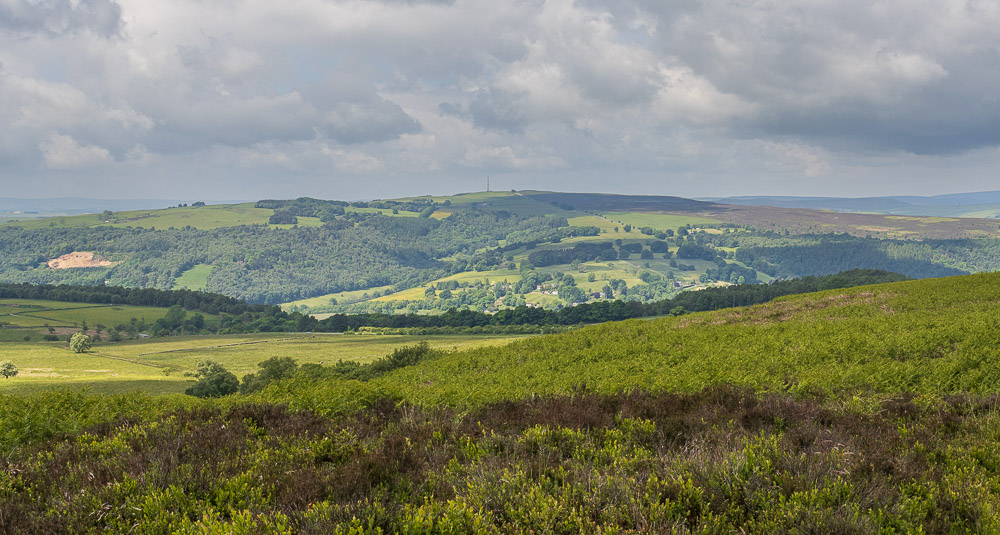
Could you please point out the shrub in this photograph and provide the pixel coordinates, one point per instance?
(214, 380)
(272, 369)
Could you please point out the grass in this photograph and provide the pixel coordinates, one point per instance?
(37, 313)
(383, 211)
(593, 221)
(862, 410)
(504, 200)
(658, 221)
(489, 277)
(157, 366)
(52, 364)
(342, 298)
(204, 217)
(195, 278)
(927, 336)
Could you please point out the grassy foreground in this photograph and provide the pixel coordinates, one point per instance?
(867, 410)
(157, 365)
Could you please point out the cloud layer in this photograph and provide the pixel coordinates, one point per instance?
(357, 99)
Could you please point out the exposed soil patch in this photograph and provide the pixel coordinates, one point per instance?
(80, 259)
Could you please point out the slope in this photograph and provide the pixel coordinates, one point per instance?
(869, 410)
(933, 336)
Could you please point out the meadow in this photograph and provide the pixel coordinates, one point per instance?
(37, 315)
(658, 221)
(201, 217)
(195, 278)
(158, 365)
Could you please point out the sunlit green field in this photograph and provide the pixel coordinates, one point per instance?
(195, 278)
(593, 221)
(341, 297)
(37, 313)
(488, 277)
(158, 365)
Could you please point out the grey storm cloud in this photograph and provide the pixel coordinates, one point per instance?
(54, 17)
(668, 96)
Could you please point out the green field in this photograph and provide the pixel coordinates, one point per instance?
(658, 221)
(195, 278)
(503, 200)
(37, 313)
(593, 221)
(382, 211)
(158, 365)
(203, 217)
(353, 296)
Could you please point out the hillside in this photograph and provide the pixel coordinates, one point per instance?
(485, 251)
(865, 410)
(985, 204)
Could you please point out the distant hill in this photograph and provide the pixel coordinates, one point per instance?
(80, 205)
(618, 203)
(480, 251)
(975, 204)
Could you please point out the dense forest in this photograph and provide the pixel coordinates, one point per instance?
(269, 265)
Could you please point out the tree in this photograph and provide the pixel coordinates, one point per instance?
(272, 369)
(80, 342)
(8, 369)
(214, 380)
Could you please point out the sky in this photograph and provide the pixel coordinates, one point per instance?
(254, 99)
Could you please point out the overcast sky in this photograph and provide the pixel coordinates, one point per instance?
(248, 99)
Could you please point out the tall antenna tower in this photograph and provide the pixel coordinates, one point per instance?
(487, 183)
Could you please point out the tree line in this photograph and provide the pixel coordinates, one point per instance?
(602, 311)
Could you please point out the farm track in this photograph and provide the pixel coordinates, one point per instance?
(130, 361)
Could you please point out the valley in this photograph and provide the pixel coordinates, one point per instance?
(499, 362)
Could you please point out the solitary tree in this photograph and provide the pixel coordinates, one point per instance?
(8, 369)
(80, 342)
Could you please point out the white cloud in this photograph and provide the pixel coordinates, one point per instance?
(553, 91)
(63, 152)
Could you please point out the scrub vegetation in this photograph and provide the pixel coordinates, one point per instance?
(864, 410)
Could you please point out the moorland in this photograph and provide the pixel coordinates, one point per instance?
(863, 410)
